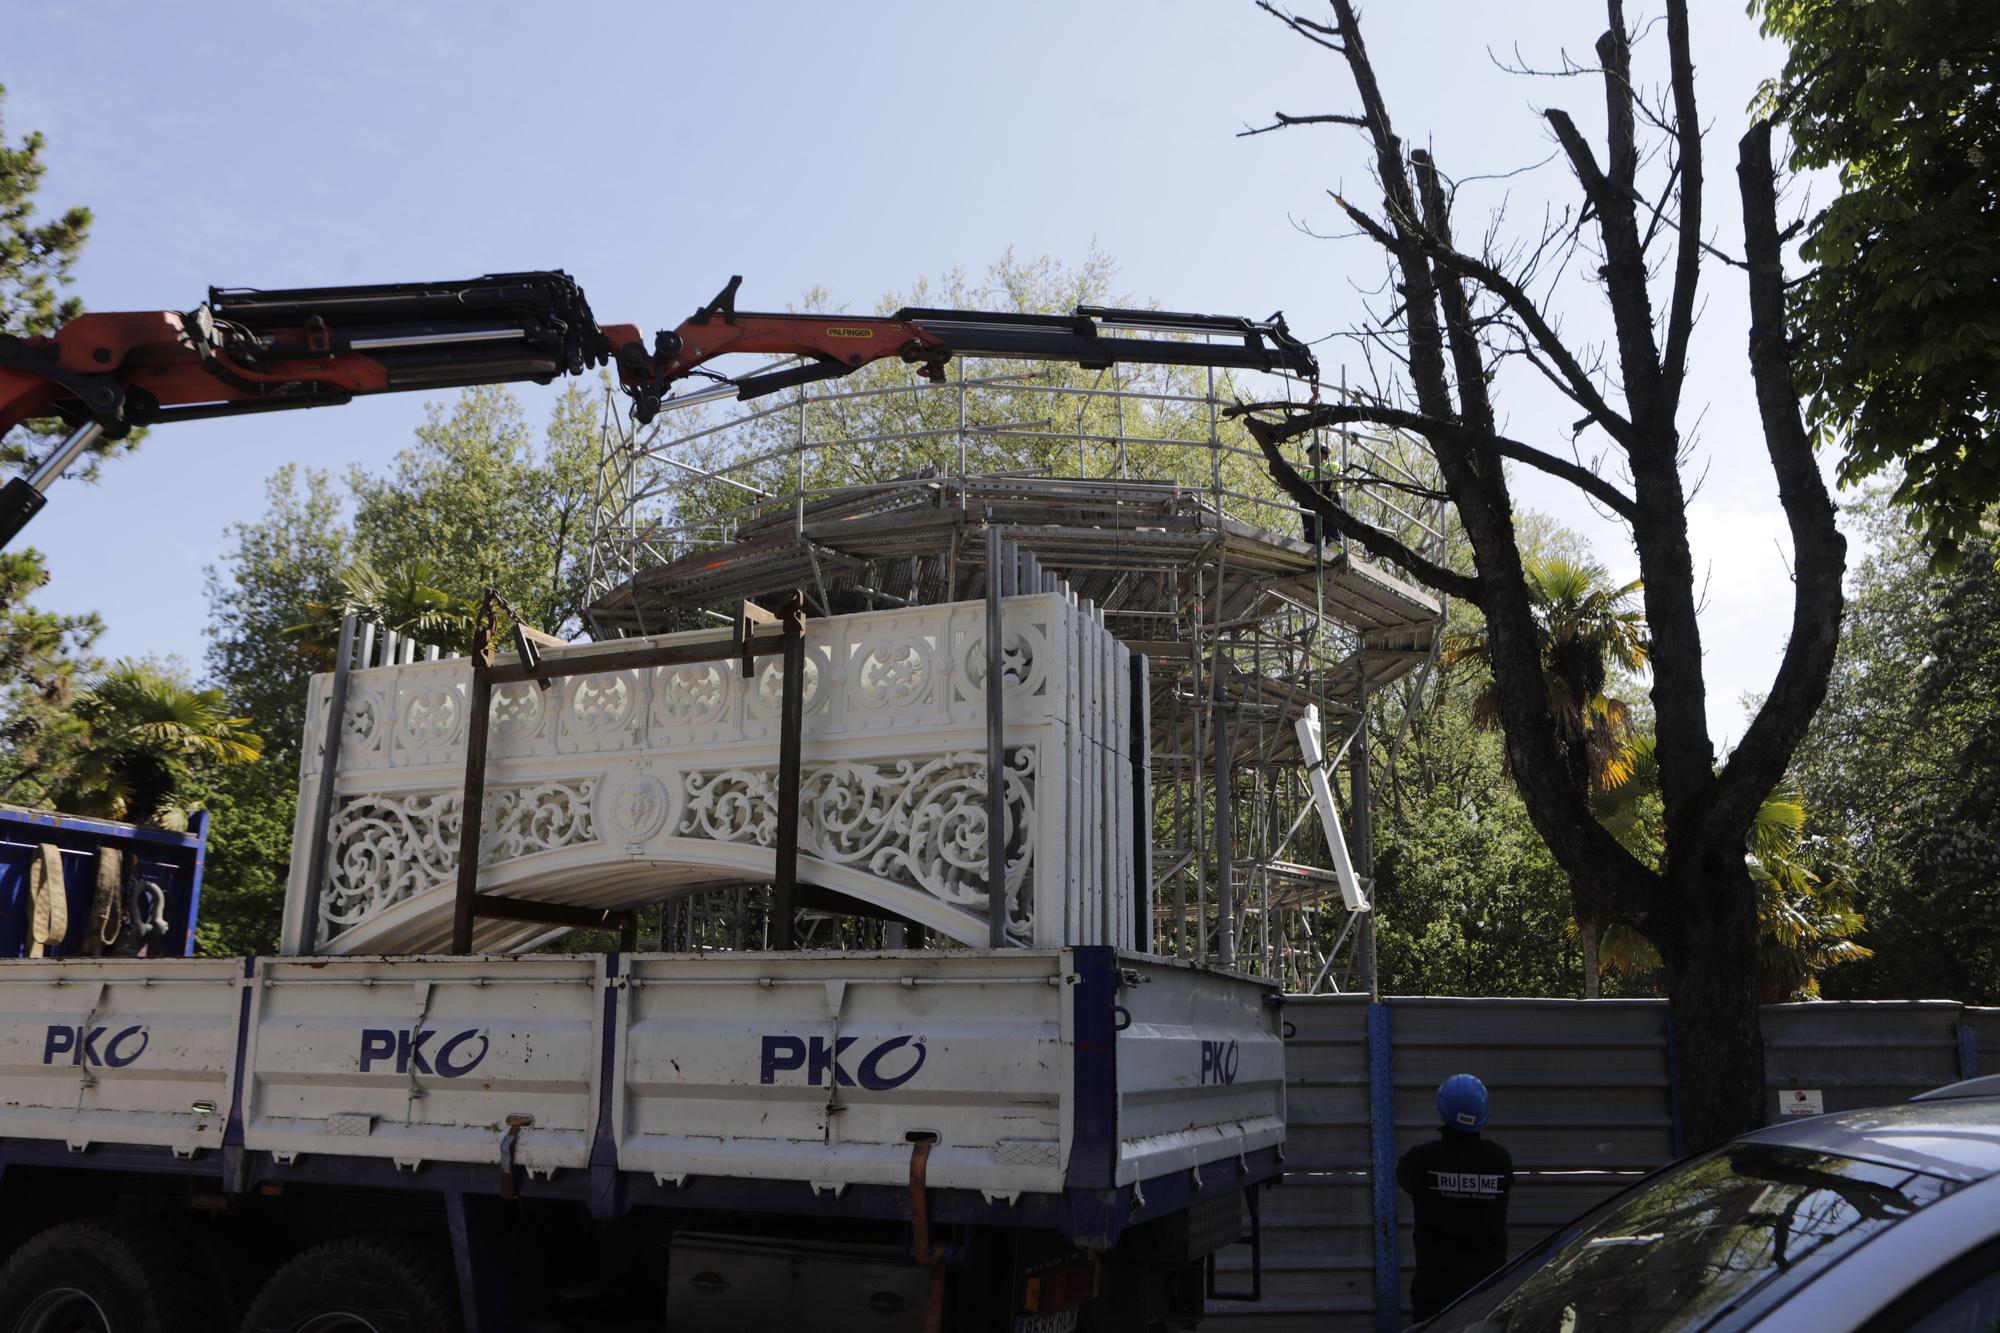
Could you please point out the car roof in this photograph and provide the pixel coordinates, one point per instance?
(1958, 1139)
(1989, 1086)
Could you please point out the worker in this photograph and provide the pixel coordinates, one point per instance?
(1321, 479)
(1460, 1183)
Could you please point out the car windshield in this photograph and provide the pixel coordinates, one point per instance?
(1713, 1244)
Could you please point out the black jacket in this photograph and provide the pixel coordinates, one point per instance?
(1460, 1183)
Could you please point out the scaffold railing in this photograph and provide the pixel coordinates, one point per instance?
(1152, 505)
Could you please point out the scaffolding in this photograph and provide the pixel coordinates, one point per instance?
(1154, 507)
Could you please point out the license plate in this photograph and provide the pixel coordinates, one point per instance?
(1063, 1321)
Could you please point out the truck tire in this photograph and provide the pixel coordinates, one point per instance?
(111, 1275)
(363, 1284)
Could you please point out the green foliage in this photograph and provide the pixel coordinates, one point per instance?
(1807, 913)
(476, 500)
(1902, 768)
(404, 599)
(1587, 629)
(282, 567)
(1471, 903)
(1898, 323)
(42, 657)
(250, 809)
(476, 503)
(36, 256)
(147, 734)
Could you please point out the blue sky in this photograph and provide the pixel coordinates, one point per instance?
(655, 149)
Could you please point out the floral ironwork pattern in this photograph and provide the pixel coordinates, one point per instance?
(383, 849)
(918, 823)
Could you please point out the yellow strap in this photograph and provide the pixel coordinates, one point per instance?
(48, 918)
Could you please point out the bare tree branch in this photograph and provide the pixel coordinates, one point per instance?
(1304, 27)
(1617, 882)
(1575, 381)
(1475, 405)
(1285, 121)
(1270, 435)
(1448, 434)
(1818, 548)
(1687, 261)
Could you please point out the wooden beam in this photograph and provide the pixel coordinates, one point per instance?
(494, 907)
(638, 659)
(791, 776)
(472, 807)
(535, 636)
(819, 898)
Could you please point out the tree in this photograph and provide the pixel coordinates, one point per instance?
(1806, 913)
(1897, 322)
(279, 568)
(1901, 772)
(1470, 901)
(407, 600)
(148, 733)
(43, 655)
(35, 261)
(473, 502)
(1459, 320)
(1586, 627)
(282, 566)
(481, 505)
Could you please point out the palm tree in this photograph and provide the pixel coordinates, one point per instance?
(1805, 920)
(1586, 625)
(147, 734)
(404, 598)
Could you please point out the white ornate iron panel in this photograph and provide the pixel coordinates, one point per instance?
(615, 789)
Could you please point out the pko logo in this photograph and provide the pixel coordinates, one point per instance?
(91, 1048)
(1218, 1062)
(454, 1057)
(817, 1056)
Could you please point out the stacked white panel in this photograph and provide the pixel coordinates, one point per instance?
(607, 790)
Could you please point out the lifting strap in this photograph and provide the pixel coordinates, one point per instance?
(48, 903)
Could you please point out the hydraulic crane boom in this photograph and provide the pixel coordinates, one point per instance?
(247, 350)
(835, 345)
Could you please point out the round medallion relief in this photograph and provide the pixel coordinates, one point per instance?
(638, 807)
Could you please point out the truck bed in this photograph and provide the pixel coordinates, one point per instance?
(1081, 1088)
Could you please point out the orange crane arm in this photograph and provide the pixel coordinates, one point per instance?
(250, 350)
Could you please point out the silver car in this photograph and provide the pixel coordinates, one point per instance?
(1873, 1221)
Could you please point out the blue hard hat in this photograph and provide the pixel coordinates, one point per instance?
(1462, 1102)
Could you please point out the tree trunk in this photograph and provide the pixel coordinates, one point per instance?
(1593, 969)
(1711, 957)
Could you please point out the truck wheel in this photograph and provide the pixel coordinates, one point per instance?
(106, 1276)
(364, 1284)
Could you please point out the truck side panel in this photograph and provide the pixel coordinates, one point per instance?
(426, 1059)
(1201, 1068)
(126, 1050)
(821, 1067)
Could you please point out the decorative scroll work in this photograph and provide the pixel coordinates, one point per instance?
(384, 849)
(918, 823)
(1024, 665)
(631, 770)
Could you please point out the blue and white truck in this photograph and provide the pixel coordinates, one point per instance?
(1045, 1135)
